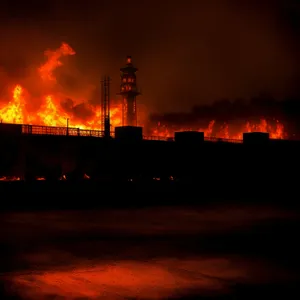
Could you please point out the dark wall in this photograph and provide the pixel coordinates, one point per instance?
(214, 164)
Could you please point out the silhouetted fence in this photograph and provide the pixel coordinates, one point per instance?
(71, 131)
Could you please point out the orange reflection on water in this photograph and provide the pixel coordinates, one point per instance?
(69, 258)
(119, 280)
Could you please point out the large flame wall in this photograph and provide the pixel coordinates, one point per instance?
(50, 112)
(226, 131)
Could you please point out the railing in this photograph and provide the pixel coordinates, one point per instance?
(158, 138)
(71, 131)
(207, 139)
(51, 130)
(215, 139)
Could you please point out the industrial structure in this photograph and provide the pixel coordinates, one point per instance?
(129, 92)
(105, 106)
(32, 153)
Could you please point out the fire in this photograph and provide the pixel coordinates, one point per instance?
(85, 176)
(263, 126)
(14, 111)
(46, 70)
(227, 131)
(50, 114)
(50, 111)
(10, 178)
(63, 177)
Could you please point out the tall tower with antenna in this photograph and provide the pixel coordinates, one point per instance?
(129, 92)
(105, 106)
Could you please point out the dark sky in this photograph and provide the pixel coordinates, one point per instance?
(188, 52)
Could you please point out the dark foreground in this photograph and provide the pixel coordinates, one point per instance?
(136, 245)
(88, 194)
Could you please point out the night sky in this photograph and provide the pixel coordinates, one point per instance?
(188, 52)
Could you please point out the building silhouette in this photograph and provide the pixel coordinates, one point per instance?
(129, 92)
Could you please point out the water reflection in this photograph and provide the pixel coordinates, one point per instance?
(153, 279)
(144, 254)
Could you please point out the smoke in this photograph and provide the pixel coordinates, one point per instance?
(48, 78)
(42, 67)
(200, 52)
(189, 53)
(236, 112)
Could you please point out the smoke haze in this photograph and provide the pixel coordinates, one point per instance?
(189, 53)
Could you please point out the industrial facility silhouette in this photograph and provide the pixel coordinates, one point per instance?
(36, 153)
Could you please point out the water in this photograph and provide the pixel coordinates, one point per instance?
(155, 253)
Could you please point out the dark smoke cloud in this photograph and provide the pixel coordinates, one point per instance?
(189, 53)
(236, 111)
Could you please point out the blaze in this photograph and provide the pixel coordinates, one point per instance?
(51, 112)
(14, 111)
(226, 131)
(46, 70)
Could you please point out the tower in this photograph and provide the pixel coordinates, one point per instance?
(105, 106)
(129, 91)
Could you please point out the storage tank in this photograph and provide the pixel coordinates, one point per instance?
(10, 129)
(190, 137)
(129, 133)
(252, 138)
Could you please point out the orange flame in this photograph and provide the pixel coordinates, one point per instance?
(50, 112)
(14, 111)
(53, 62)
(225, 132)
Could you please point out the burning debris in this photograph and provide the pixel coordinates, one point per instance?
(10, 178)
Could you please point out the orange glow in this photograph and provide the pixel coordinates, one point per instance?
(85, 176)
(227, 131)
(63, 177)
(46, 70)
(50, 111)
(157, 279)
(12, 178)
(59, 272)
(14, 111)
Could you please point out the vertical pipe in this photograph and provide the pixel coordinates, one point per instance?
(67, 126)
